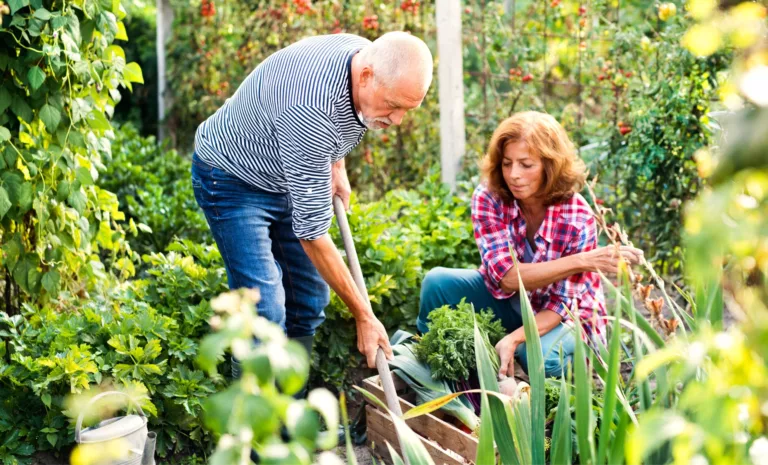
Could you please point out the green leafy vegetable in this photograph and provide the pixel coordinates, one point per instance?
(448, 348)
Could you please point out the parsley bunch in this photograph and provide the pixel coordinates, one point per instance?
(449, 346)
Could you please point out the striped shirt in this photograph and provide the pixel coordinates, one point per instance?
(568, 228)
(289, 120)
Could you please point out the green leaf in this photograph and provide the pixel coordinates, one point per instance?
(5, 99)
(25, 197)
(562, 441)
(584, 420)
(50, 116)
(36, 77)
(77, 200)
(487, 373)
(46, 398)
(132, 73)
(121, 34)
(535, 373)
(51, 281)
(5, 202)
(485, 452)
(43, 14)
(611, 384)
(21, 108)
(52, 438)
(83, 175)
(17, 4)
(5, 134)
(97, 121)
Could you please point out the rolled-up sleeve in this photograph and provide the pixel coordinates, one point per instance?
(562, 294)
(307, 138)
(493, 238)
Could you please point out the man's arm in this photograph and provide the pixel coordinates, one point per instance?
(340, 183)
(370, 332)
(305, 150)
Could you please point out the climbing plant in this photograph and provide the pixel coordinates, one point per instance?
(60, 74)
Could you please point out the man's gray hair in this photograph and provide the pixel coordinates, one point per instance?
(394, 54)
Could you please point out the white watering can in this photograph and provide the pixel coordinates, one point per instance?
(131, 430)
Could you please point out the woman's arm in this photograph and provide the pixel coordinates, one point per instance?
(538, 275)
(546, 321)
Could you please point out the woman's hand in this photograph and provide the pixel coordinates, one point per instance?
(606, 259)
(506, 349)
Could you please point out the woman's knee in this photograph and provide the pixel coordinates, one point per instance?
(433, 294)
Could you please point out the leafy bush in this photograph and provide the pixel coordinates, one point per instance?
(60, 81)
(143, 333)
(251, 412)
(154, 188)
(449, 346)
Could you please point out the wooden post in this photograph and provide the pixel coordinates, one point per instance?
(164, 21)
(450, 78)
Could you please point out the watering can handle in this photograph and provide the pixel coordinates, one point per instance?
(357, 274)
(80, 417)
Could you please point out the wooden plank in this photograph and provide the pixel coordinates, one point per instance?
(429, 426)
(450, 80)
(382, 430)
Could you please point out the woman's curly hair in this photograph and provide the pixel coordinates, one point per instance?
(564, 172)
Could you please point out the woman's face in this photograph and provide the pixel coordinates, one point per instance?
(523, 171)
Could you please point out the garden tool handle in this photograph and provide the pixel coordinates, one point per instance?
(357, 274)
(80, 417)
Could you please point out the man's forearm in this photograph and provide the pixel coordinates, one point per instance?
(327, 259)
(538, 275)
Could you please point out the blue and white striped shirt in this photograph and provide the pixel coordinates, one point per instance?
(287, 123)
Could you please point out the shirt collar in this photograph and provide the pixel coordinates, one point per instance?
(351, 100)
(547, 228)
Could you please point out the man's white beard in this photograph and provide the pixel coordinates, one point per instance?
(375, 123)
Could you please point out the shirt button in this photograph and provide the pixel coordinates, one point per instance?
(215, 182)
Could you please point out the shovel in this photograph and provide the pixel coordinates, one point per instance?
(357, 274)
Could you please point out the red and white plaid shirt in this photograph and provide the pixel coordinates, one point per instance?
(568, 228)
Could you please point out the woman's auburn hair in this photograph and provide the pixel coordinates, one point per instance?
(564, 172)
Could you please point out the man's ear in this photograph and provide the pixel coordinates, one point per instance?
(366, 76)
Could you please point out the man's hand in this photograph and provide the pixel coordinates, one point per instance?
(340, 183)
(506, 350)
(370, 336)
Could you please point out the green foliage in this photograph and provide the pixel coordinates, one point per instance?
(398, 240)
(449, 345)
(143, 333)
(649, 173)
(60, 76)
(252, 411)
(154, 190)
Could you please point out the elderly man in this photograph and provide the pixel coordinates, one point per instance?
(269, 161)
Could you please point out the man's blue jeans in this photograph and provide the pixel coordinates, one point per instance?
(447, 286)
(253, 230)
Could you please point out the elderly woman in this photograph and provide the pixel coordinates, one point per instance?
(529, 204)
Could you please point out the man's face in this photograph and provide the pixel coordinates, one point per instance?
(381, 106)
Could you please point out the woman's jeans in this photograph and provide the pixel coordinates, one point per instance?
(447, 286)
(253, 230)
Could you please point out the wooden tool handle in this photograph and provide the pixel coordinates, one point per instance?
(357, 274)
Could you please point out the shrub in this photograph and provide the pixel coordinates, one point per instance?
(143, 333)
(154, 188)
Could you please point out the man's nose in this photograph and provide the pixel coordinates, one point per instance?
(397, 116)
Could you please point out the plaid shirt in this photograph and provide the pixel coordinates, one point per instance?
(568, 228)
